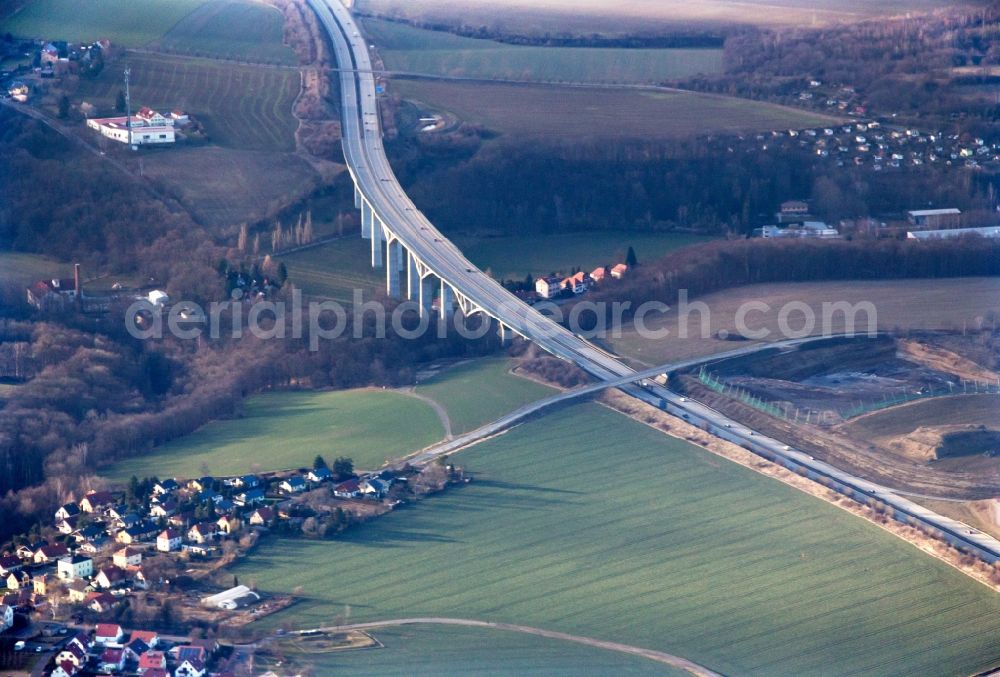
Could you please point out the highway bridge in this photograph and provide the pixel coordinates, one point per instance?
(420, 262)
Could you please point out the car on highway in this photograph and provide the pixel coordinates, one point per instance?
(19, 645)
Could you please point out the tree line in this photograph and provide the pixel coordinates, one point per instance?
(710, 267)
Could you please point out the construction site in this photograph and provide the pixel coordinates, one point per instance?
(918, 413)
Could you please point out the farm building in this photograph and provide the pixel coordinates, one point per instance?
(148, 127)
(935, 218)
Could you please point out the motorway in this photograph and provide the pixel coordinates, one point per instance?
(374, 179)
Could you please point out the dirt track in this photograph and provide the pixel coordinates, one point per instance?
(658, 656)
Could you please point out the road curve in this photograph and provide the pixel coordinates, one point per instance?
(361, 139)
(651, 654)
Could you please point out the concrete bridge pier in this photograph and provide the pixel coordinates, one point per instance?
(426, 294)
(446, 304)
(378, 235)
(357, 196)
(506, 334)
(367, 216)
(393, 267)
(412, 277)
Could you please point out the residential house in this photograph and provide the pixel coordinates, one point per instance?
(262, 517)
(26, 552)
(249, 497)
(187, 652)
(132, 534)
(18, 91)
(619, 270)
(116, 512)
(111, 661)
(50, 552)
(78, 590)
(576, 283)
(374, 488)
(18, 579)
(110, 577)
(135, 648)
(152, 660)
(548, 287)
(76, 566)
(9, 563)
(66, 526)
(43, 584)
(199, 549)
(167, 486)
(63, 670)
(597, 274)
(201, 484)
(82, 641)
(795, 207)
(95, 546)
(228, 524)
(164, 509)
(6, 617)
(168, 540)
(96, 501)
(208, 495)
(108, 634)
(150, 637)
(74, 654)
(225, 507)
(127, 557)
(99, 602)
(246, 482)
(191, 667)
(67, 511)
(202, 533)
(318, 475)
(89, 532)
(293, 485)
(348, 489)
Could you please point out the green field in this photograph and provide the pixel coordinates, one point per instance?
(445, 650)
(480, 391)
(231, 29)
(226, 186)
(515, 257)
(588, 523)
(972, 410)
(128, 23)
(415, 50)
(246, 107)
(23, 269)
(559, 113)
(641, 17)
(287, 429)
(334, 270)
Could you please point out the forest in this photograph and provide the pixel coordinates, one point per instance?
(903, 65)
(699, 185)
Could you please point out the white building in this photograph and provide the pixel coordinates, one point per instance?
(234, 598)
(77, 566)
(989, 231)
(148, 127)
(548, 287)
